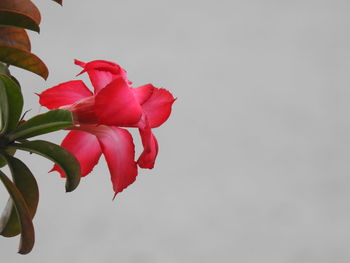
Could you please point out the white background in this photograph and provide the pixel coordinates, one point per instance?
(254, 161)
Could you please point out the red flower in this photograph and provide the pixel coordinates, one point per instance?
(114, 103)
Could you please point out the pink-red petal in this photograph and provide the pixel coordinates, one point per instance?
(143, 93)
(101, 72)
(118, 148)
(150, 145)
(79, 63)
(85, 147)
(64, 94)
(116, 105)
(157, 107)
(84, 111)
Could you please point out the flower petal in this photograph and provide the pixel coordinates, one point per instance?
(118, 148)
(116, 105)
(101, 72)
(150, 145)
(143, 93)
(79, 63)
(158, 107)
(64, 94)
(84, 111)
(85, 147)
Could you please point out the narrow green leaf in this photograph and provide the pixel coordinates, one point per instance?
(11, 103)
(27, 185)
(4, 69)
(44, 123)
(20, 13)
(3, 161)
(4, 108)
(27, 228)
(64, 159)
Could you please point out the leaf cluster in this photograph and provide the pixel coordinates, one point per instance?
(15, 17)
(14, 135)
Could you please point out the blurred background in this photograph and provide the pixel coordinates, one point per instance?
(254, 163)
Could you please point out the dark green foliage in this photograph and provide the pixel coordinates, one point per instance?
(23, 189)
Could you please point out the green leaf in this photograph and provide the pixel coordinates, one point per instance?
(27, 229)
(27, 185)
(44, 123)
(3, 161)
(11, 104)
(15, 50)
(20, 13)
(4, 69)
(64, 159)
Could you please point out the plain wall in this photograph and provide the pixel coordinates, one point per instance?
(254, 161)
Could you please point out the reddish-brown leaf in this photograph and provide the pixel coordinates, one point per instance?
(15, 50)
(20, 13)
(14, 37)
(58, 1)
(27, 228)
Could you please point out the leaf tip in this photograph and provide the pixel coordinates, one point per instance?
(23, 251)
(71, 186)
(36, 29)
(45, 75)
(59, 2)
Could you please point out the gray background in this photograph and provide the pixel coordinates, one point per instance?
(254, 161)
